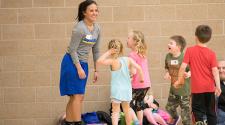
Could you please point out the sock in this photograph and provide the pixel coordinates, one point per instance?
(68, 123)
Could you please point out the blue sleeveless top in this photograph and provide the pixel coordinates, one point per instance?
(121, 88)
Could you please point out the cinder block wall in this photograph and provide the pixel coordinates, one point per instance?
(34, 35)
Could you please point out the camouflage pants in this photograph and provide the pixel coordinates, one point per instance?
(184, 102)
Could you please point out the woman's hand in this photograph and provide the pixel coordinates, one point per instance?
(81, 73)
(95, 76)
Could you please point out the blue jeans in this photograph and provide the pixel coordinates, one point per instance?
(220, 117)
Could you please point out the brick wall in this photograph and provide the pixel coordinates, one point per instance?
(34, 35)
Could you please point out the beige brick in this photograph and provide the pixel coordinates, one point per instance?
(16, 3)
(0, 32)
(175, 1)
(33, 15)
(216, 11)
(8, 16)
(176, 27)
(143, 2)
(1, 121)
(165, 90)
(58, 108)
(110, 2)
(157, 44)
(164, 12)
(19, 63)
(156, 91)
(50, 31)
(55, 76)
(31, 79)
(91, 93)
(105, 14)
(19, 122)
(49, 94)
(1, 97)
(104, 93)
(9, 79)
(59, 46)
(69, 28)
(47, 63)
(18, 32)
(8, 48)
(103, 78)
(216, 25)
(191, 12)
(34, 47)
(48, 3)
(153, 61)
(19, 95)
(46, 121)
(114, 29)
(25, 110)
(207, 1)
(72, 3)
(133, 13)
(157, 75)
(145, 27)
(90, 106)
(62, 15)
(217, 43)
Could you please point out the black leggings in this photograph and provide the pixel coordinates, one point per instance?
(137, 102)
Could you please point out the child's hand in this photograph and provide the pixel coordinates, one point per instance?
(218, 91)
(154, 106)
(112, 51)
(177, 85)
(167, 76)
(187, 74)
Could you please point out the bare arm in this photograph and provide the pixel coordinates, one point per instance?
(135, 65)
(104, 58)
(215, 72)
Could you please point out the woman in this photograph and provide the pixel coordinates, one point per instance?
(74, 67)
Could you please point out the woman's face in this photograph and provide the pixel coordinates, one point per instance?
(91, 12)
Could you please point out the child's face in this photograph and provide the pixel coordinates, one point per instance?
(130, 41)
(173, 47)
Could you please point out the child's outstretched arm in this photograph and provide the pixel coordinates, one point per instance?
(215, 72)
(104, 58)
(135, 65)
(180, 80)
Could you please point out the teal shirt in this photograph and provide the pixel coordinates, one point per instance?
(121, 88)
(172, 64)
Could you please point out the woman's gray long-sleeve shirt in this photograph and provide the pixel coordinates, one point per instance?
(82, 41)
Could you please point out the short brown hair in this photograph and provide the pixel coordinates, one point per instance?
(180, 41)
(203, 33)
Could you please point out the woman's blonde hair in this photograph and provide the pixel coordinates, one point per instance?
(116, 44)
(140, 45)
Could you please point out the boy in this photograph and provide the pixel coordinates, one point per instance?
(204, 75)
(177, 97)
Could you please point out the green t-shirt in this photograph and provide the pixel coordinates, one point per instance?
(172, 64)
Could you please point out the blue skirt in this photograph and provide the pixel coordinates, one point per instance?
(70, 83)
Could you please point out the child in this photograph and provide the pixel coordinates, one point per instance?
(177, 97)
(152, 112)
(136, 43)
(204, 75)
(74, 66)
(121, 91)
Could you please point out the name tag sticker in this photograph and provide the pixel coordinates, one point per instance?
(174, 62)
(88, 36)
